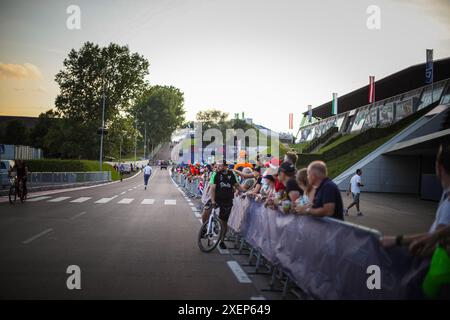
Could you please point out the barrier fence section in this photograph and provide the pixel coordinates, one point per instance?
(48, 178)
(190, 186)
(324, 257)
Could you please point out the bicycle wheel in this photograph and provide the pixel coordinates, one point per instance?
(12, 194)
(207, 242)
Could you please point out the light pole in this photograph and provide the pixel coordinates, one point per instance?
(145, 140)
(135, 139)
(120, 149)
(102, 131)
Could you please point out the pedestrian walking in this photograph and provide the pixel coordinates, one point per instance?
(355, 189)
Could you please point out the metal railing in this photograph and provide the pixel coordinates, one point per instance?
(381, 113)
(59, 178)
(189, 185)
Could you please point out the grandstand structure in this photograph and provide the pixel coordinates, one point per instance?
(394, 140)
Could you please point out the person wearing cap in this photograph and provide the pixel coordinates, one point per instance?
(286, 176)
(327, 200)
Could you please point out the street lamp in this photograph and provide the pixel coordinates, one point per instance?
(102, 129)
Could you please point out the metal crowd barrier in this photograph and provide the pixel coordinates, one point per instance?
(49, 178)
(189, 187)
(323, 258)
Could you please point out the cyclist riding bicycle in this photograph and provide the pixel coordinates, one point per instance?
(222, 184)
(21, 169)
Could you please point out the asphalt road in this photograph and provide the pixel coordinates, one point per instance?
(134, 244)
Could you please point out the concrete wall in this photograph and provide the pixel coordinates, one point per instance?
(397, 174)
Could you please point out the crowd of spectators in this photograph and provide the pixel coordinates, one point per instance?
(309, 191)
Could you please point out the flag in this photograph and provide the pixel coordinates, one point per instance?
(334, 105)
(429, 67)
(309, 113)
(371, 89)
(291, 121)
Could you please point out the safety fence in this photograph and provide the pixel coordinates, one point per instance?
(12, 152)
(323, 258)
(189, 185)
(60, 178)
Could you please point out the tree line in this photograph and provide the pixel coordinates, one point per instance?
(91, 76)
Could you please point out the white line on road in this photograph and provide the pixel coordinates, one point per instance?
(105, 200)
(240, 274)
(81, 199)
(131, 189)
(124, 192)
(148, 201)
(59, 199)
(78, 215)
(125, 201)
(37, 199)
(170, 202)
(37, 236)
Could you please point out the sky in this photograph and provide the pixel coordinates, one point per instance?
(267, 58)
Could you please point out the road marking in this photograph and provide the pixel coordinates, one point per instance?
(43, 233)
(240, 274)
(148, 201)
(37, 199)
(78, 215)
(59, 199)
(124, 192)
(81, 199)
(105, 200)
(130, 189)
(170, 202)
(125, 201)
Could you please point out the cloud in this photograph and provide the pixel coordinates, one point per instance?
(19, 71)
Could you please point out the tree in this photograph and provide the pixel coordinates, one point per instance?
(161, 111)
(121, 133)
(16, 133)
(40, 130)
(210, 116)
(89, 73)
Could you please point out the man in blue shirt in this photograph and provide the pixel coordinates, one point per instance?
(327, 200)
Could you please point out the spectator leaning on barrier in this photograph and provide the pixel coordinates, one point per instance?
(355, 189)
(308, 189)
(286, 175)
(327, 200)
(442, 219)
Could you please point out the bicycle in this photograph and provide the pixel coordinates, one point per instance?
(17, 189)
(210, 232)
